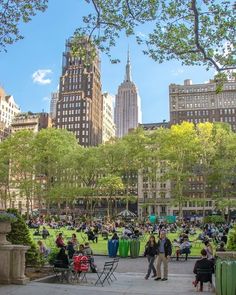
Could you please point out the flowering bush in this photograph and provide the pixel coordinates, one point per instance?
(4, 216)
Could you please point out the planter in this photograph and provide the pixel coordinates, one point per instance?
(5, 228)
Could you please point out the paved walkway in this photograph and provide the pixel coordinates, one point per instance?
(130, 274)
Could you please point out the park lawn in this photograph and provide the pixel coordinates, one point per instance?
(101, 246)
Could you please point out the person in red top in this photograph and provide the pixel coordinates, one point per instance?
(59, 241)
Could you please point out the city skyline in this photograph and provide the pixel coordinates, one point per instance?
(31, 68)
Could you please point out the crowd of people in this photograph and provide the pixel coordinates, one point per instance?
(158, 249)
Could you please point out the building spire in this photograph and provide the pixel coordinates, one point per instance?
(128, 69)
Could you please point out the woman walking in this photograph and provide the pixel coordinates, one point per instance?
(151, 252)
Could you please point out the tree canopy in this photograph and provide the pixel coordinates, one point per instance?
(49, 168)
(12, 13)
(195, 32)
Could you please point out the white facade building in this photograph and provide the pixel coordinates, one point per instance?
(127, 105)
(108, 126)
(202, 103)
(8, 108)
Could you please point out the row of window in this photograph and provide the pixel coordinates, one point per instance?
(207, 104)
(74, 105)
(153, 185)
(73, 112)
(207, 112)
(154, 195)
(197, 204)
(208, 88)
(83, 118)
(71, 98)
(192, 90)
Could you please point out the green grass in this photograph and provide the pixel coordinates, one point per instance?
(101, 246)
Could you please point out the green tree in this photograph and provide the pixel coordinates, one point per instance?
(223, 168)
(88, 167)
(133, 148)
(194, 32)
(22, 168)
(4, 174)
(51, 148)
(110, 185)
(12, 13)
(20, 235)
(206, 154)
(178, 148)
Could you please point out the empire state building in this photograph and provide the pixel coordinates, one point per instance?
(127, 105)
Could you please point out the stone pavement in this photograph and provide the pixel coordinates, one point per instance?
(130, 275)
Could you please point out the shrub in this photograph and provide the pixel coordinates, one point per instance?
(231, 244)
(52, 255)
(20, 235)
(214, 219)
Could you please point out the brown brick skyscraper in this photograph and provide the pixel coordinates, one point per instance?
(79, 107)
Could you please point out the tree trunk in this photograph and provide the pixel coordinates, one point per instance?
(204, 197)
(127, 203)
(108, 208)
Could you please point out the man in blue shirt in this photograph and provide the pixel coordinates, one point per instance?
(164, 252)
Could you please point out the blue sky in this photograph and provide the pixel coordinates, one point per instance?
(42, 48)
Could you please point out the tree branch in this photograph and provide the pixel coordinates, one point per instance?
(129, 9)
(196, 36)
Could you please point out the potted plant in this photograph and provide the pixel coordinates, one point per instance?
(5, 225)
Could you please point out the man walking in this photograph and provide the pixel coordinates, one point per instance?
(164, 252)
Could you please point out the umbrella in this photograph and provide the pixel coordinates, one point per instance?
(126, 214)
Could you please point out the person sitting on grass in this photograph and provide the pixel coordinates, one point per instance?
(45, 233)
(184, 248)
(60, 241)
(92, 236)
(36, 232)
(43, 249)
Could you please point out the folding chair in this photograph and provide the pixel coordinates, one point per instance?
(84, 268)
(115, 265)
(81, 268)
(104, 275)
(204, 276)
(62, 273)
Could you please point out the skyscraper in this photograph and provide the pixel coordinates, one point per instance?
(53, 104)
(108, 126)
(127, 104)
(79, 106)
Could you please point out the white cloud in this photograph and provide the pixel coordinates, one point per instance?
(45, 98)
(177, 72)
(40, 77)
(142, 35)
